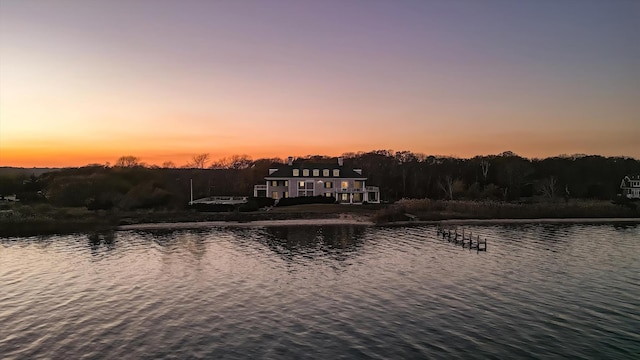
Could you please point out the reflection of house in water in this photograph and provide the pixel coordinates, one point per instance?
(339, 242)
(192, 241)
(99, 239)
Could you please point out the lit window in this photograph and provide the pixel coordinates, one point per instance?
(300, 184)
(345, 184)
(274, 195)
(328, 184)
(345, 197)
(286, 183)
(286, 194)
(296, 172)
(325, 172)
(327, 194)
(357, 184)
(336, 172)
(316, 172)
(305, 172)
(274, 183)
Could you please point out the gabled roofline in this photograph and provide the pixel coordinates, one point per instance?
(326, 178)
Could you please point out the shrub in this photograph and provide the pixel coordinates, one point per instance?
(262, 201)
(306, 200)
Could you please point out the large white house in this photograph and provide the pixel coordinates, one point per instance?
(631, 186)
(346, 184)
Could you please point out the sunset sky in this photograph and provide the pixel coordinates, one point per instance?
(89, 81)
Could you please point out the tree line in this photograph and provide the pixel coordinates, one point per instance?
(130, 184)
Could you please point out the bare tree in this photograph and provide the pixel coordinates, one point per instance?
(446, 185)
(128, 161)
(169, 165)
(234, 162)
(402, 159)
(200, 161)
(484, 164)
(549, 187)
(241, 161)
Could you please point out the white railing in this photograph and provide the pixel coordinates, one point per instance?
(350, 190)
(222, 200)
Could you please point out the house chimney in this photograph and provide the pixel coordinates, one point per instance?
(290, 161)
(340, 161)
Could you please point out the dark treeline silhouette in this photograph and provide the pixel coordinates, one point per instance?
(505, 176)
(403, 174)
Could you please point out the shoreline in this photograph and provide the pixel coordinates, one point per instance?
(256, 223)
(362, 222)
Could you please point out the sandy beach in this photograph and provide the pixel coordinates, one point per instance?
(361, 221)
(206, 224)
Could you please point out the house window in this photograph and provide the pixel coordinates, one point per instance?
(336, 172)
(316, 172)
(344, 197)
(305, 172)
(274, 183)
(327, 194)
(325, 172)
(345, 184)
(357, 197)
(296, 172)
(328, 184)
(305, 188)
(274, 195)
(286, 183)
(357, 184)
(286, 194)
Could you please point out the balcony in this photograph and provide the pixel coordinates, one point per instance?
(350, 190)
(260, 187)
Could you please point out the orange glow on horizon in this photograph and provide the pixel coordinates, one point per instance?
(323, 78)
(69, 153)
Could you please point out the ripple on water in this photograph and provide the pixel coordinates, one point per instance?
(540, 291)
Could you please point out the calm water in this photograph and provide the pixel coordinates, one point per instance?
(326, 292)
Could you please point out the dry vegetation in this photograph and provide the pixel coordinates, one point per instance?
(427, 209)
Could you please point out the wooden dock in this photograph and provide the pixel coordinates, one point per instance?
(468, 240)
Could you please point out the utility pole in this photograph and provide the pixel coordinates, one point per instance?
(191, 184)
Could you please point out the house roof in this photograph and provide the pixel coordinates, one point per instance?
(286, 171)
(626, 182)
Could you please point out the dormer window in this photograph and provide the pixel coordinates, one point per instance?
(305, 172)
(316, 172)
(296, 172)
(325, 172)
(336, 172)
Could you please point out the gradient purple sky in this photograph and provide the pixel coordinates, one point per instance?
(88, 81)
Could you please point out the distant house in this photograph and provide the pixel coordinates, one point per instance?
(8, 198)
(346, 184)
(630, 186)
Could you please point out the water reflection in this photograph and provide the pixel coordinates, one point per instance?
(274, 292)
(313, 242)
(107, 238)
(171, 240)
